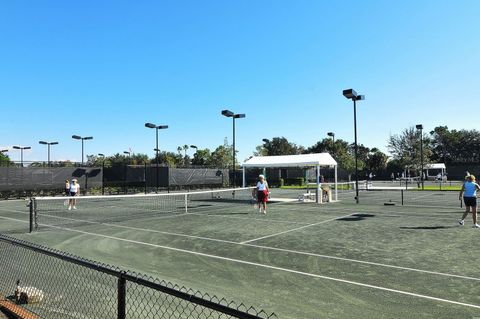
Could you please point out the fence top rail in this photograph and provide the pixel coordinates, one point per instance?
(205, 300)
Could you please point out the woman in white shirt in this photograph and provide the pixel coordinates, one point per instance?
(74, 191)
(262, 194)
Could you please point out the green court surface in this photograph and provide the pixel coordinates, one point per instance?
(300, 260)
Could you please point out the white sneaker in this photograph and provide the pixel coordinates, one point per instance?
(476, 226)
(461, 222)
(69, 207)
(260, 210)
(74, 207)
(265, 212)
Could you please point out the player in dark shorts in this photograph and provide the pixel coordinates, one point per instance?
(469, 194)
(67, 187)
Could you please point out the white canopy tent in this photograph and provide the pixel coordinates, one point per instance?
(317, 160)
(436, 166)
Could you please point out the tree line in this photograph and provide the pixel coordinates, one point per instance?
(441, 145)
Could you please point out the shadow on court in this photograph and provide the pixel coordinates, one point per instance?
(356, 217)
(428, 227)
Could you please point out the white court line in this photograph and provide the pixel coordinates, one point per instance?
(362, 262)
(246, 218)
(276, 268)
(294, 229)
(277, 249)
(423, 196)
(138, 228)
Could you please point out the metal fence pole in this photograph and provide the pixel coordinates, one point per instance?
(145, 176)
(402, 196)
(31, 214)
(103, 177)
(122, 298)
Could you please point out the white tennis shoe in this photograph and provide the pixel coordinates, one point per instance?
(461, 222)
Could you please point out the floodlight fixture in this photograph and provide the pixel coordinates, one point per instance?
(354, 96)
(156, 149)
(234, 116)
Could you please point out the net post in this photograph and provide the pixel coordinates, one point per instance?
(121, 297)
(402, 195)
(30, 204)
(186, 203)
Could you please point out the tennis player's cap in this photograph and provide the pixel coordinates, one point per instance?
(261, 176)
(74, 180)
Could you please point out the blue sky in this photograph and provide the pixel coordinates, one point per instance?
(104, 68)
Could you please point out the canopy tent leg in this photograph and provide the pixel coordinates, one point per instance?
(243, 179)
(319, 191)
(336, 183)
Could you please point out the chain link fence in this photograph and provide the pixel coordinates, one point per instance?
(54, 284)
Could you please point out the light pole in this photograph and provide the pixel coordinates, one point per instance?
(48, 146)
(21, 148)
(103, 172)
(234, 116)
(76, 137)
(332, 135)
(352, 95)
(156, 127)
(420, 128)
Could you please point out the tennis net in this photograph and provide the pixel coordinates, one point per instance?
(341, 187)
(71, 211)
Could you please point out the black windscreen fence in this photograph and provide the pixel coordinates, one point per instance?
(28, 181)
(47, 178)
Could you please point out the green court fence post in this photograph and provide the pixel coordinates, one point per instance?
(402, 196)
(122, 292)
(103, 177)
(31, 214)
(145, 176)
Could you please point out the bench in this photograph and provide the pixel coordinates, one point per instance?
(15, 310)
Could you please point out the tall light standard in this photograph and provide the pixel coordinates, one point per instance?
(76, 137)
(420, 128)
(352, 95)
(332, 135)
(21, 148)
(156, 127)
(103, 172)
(48, 146)
(234, 116)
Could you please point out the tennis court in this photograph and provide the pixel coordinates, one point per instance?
(300, 260)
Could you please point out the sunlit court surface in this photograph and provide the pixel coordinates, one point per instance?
(301, 259)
